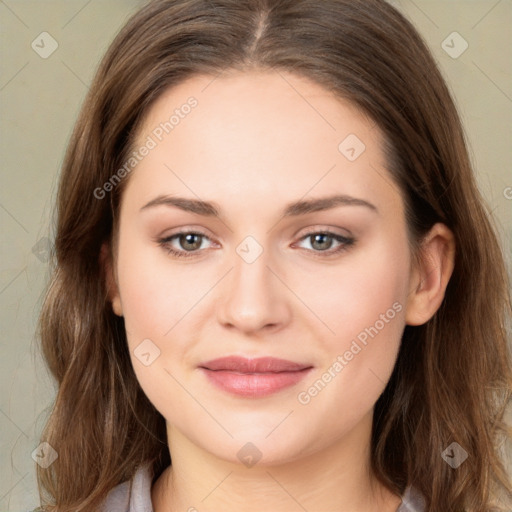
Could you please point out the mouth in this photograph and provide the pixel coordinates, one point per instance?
(254, 378)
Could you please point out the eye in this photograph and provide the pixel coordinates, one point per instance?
(322, 242)
(190, 243)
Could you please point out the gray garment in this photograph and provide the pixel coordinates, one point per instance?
(135, 496)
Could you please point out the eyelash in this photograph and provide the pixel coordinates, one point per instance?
(345, 242)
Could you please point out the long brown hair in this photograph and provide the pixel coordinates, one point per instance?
(452, 379)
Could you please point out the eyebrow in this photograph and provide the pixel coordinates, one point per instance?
(301, 207)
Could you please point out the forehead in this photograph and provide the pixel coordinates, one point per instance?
(244, 107)
(258, 133)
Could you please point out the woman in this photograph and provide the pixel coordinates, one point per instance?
(195, 315)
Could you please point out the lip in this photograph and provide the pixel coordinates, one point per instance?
(253, 377)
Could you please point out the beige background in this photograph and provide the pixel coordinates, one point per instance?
(40, 99)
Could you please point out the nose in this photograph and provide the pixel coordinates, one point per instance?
(253, 298)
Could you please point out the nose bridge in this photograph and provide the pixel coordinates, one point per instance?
(252, 296)
(251, 265)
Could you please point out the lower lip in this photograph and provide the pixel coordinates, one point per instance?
(254, 385)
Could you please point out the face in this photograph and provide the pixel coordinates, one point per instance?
(250, 276)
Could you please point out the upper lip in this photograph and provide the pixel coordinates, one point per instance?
(258, 365)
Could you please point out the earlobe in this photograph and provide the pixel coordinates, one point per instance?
(110, 281)
(431, 275)
(116, 305)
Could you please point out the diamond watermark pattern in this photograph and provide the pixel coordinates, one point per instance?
(249, 249)
(44, 45)
(146, 352)
(454, 45)
(42, 249)
(454, 455)
(44, 455)
(249, 454)
(352, 147)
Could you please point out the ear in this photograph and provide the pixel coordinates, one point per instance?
(110, 281)
(430, 275)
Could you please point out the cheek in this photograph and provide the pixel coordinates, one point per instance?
(364, 286)
(156, 297)
(155, 294)
(364, 309)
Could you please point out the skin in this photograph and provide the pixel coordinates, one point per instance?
(256, 142)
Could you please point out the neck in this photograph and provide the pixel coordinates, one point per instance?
(336, 480)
